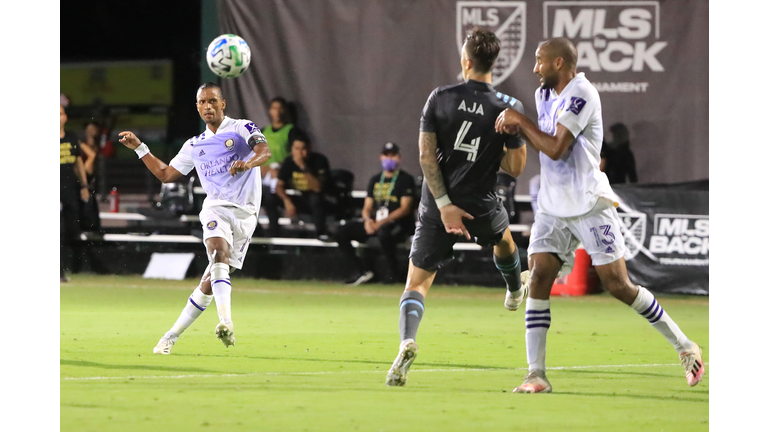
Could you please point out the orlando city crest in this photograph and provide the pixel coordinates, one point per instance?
(506, 19)
(229, 144)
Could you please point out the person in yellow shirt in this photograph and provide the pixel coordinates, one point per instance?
(281, 132)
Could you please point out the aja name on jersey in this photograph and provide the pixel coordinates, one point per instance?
(572, 185)
(469, 151)
(211, 155)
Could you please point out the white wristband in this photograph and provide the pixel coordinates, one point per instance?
(442, 201)
(142, 150)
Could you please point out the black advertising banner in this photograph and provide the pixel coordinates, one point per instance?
(666, 230)
(360, 71)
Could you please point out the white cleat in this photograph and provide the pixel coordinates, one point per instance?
(165, 345)
(398, 373)
(515, 299)
(363, 278)
(226, 334)
(693, 364)
(535, 382)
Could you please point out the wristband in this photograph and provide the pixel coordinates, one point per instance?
(442, 201)
(142, 150)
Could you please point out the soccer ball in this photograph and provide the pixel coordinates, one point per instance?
(228, 56)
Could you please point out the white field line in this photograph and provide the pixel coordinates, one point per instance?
(360, 372)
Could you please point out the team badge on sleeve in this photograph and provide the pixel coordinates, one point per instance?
(212, 225)
(577, 104)
(251, 127)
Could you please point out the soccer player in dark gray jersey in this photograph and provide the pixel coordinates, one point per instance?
(460, 154)
(469, 150)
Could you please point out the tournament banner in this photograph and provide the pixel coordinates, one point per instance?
(666, 232)
(360, 71)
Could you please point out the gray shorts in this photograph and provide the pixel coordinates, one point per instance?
(432, 247)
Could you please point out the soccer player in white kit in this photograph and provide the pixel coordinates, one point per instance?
(576, 205)
(227, 157)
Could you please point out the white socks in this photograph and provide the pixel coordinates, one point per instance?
(222, 291)
(196, 304)
(647, 306)
(537, 320)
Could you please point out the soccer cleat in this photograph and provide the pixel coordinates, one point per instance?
(535, 382)
(363, 278)
(694, 366)
(226, 334)
(513, 301)
(165, 345)
(398, 373)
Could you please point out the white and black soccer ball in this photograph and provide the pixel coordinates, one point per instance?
(228, 56)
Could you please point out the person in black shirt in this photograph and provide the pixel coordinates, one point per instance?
(460, 154)
(73, 187)
(307, 172)
(616, 158)
(387, 215)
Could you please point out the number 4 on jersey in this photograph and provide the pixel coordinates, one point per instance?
(470, 148)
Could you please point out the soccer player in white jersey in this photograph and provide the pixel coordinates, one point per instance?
(227, 157)
(576, 205)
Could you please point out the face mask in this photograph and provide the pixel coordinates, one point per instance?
(389, 164)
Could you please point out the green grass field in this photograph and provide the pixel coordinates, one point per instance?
(313, 356)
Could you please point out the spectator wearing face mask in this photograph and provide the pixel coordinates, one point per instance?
(387, 215)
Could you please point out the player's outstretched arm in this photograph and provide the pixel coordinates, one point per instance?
(160, 169)
(552, 146)
(450, 214)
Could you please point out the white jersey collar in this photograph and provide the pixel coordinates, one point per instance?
(223, 124)
(579, 76)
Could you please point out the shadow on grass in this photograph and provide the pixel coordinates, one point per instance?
(605, 372)
(373, 362)
(637, 396)
(82, 363)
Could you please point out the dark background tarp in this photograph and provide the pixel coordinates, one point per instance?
(666, 230)
(361, 71)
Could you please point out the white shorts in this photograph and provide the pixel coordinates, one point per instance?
(234, 225)
(598, 231)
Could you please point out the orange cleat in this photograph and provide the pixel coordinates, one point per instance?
(535, 382)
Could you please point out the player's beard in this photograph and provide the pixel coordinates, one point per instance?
(548, 82)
